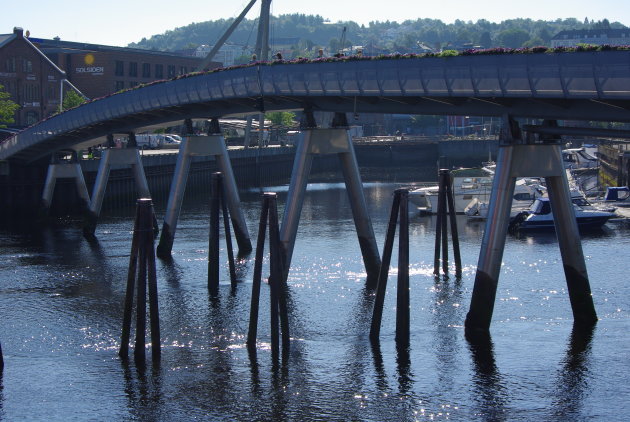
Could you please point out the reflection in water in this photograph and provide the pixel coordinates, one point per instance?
(572, 378)
(143, 392)
(403, 362)
(1, 394)
(489, 389)
(447, 316)
(377, 357)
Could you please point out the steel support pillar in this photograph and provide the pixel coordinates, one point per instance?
(525, 160)
(111, 157)
(324, 142)
(202, 146)
(69, 170)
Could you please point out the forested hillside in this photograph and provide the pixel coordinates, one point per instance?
(313, 32)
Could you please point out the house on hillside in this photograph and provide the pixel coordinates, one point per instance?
(228, 54)
(572, 38)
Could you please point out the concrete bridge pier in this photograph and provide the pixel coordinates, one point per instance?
(528, 160)
(335, 140)
(109, 158)
(213, 144)
(59, 170)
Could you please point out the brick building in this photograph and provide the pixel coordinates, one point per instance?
(31, 78)
(33, 71)
(99, 70)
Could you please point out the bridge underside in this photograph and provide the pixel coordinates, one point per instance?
(570, 86)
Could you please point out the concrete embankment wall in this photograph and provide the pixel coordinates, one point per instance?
(253, 167)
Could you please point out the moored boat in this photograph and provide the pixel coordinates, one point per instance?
(540, 217)
(469, 184)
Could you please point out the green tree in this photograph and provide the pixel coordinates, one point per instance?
(7, 108)
(484, 40)
(513, 38)
(281, 118)
(71, 99)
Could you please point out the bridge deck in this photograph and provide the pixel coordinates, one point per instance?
(575, 86)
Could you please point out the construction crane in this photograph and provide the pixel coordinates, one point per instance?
(206, 61)
(342, 41)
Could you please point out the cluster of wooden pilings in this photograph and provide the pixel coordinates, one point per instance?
(400, 215)
(141, 274)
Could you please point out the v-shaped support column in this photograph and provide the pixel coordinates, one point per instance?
(202, 146)
(61, 170)
(323, 142)
(109, 158)
(525, 160)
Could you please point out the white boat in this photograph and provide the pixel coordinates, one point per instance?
(479, 210)
(540, 217)
(578, 158)
(469, 184)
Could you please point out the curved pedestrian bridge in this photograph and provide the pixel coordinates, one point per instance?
(592, 85)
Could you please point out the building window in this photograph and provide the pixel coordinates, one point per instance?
(171, 71)
(27, 66)
(32, 117)
(146, 70)
(120, 68)
(52, 92)
(10, 64)
(183, 70)
(120, 85)
(31, 93)
(133, 69)
(159, 71)
(132, 84)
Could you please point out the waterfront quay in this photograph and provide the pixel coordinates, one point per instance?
(253, 167)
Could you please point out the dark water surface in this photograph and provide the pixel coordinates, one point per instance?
(61, 300)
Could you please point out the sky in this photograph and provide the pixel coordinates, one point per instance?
(120, 22)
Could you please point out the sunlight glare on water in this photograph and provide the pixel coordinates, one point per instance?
(61, 301)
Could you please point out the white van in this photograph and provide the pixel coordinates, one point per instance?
(170, 141)
(148, 141)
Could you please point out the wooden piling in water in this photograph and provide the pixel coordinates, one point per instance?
(1, 359)
(446, 210)
(139, 352)
(213, 241)
(131, 285)
(402, 301)
(381, 286)
(454, 232)
(444, 213)
(142, 265)
(260, 249)
(228, 235)
(438, 231)
(277, 283)
(277, 272)
(218, 202)
(154, 313)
